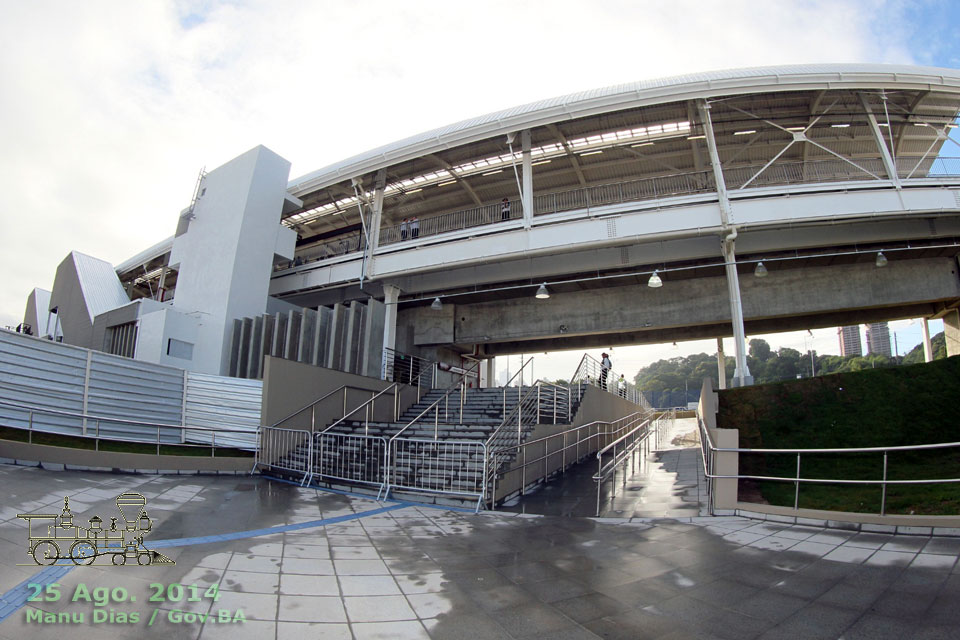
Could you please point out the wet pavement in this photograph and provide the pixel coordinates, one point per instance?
(338, 566)
(665, 481)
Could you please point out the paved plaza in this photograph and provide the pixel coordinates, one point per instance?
(303, 563)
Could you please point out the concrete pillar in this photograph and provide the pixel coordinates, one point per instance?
(391, 295)
(256, 349)
(951, 332)
(373, 339)
(353, 311)
(336, 334)
(927, 345)
(527, 193)
(725, 463)
(491, 372)
(721, 365)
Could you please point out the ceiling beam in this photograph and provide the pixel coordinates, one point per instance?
(456, 176)
(566, 147)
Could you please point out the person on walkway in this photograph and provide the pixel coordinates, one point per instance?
(414, 227)
(622, 387)
(505, 209)
(403, 229)
(605, 366)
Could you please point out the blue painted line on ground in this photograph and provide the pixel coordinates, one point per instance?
(14, 599)
(341, 492)
(254, 533)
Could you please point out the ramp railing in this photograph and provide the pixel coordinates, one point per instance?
(551, 454)
(620, 453)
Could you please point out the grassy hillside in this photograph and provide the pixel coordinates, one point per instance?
(914, 404)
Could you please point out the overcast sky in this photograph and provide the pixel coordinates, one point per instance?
(109, 109)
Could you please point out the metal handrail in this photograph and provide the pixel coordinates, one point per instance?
(85, 417)
(708, 447)
(315, 403)
(620, 457)
(517, 410)
(460, 384)
(493, 468)
(395, 387)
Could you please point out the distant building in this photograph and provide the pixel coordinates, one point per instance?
(850, 344)
(878, 339)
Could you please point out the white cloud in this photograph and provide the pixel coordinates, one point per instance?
(111, 108)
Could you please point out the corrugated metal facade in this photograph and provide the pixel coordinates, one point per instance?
(53, 376)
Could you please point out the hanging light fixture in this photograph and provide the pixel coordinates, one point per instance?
(654, 281)
(436, 305)
(542, 293)
(881, 259)
(760, 271)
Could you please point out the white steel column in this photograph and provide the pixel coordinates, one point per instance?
(391, 294)
(721, 365)
(376, 217)
(742, 374)
(491, 373)
(527, 193)
(878, 139)
(927, 345)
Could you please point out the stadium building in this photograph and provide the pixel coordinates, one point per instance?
(700, 206)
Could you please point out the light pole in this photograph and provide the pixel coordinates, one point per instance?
(813, 369)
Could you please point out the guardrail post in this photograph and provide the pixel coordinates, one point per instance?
(96, 446)
(313, 418)
(213, 445)
(796, 492)
(344, 414)
(30, 427)
(523, 469)
(883, 495)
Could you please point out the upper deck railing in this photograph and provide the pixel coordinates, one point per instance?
(643, 189)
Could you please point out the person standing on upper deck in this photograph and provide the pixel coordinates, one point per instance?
(414, 227)
(403, 229)
(605, 366)
(505, 209)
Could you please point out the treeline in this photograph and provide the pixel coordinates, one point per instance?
(676, 382)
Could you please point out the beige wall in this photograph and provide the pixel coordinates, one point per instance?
(289, 386)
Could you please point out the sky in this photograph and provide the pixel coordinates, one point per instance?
(110, 109)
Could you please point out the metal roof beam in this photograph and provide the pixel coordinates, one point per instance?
(456, 176)
(566, 147)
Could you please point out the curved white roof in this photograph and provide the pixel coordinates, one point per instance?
(625, 96)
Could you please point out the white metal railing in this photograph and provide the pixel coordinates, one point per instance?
(663, 424)
(287, 449)
(621, 452)
(549, 455)
(347, 457)
(710, 451)
(591, 371)
(449, 467)
(444, 400)
(105, 428)
(652, 188)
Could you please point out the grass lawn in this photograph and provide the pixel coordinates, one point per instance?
(75, 442)
(905, 405)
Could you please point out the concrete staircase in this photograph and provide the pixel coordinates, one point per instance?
(429, 454)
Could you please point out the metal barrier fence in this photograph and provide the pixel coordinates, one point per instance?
(287, 449)
(348, 457)
(447, 467)
(105, 428)
(709, 451)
